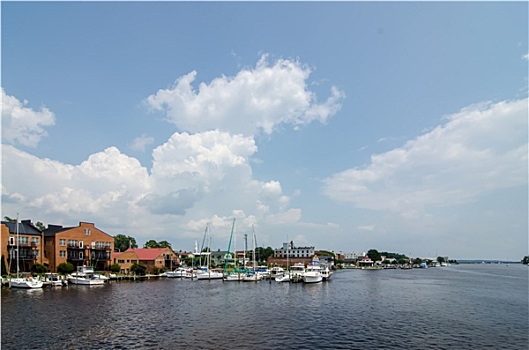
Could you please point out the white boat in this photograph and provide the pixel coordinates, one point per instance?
(209, 275)
(282, 278)
(326, 273)
(26, 283)
(54, 280)
(276, 271)
(234, 277)
(296, 272)
(23, 282)
(179, 272)
(85, 276)
(251, 277)
(312, 273)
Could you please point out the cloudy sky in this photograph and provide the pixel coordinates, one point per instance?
(345, 126)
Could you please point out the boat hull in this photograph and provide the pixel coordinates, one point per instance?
(25, 283)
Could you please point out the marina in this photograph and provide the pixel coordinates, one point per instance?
(464, 306)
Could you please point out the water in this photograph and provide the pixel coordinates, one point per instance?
(459, 307)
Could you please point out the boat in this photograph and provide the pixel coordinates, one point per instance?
(253, 276)
(54, 280)
(276, 271)
(206, 273)
(179, 272)
(282, 278)
(296, 272)
(23, 282)
(313, 273)
(85, 276)
(326, 273)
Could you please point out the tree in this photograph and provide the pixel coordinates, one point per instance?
(525, 260)
(138, 269)
(151, 244)
(374, 255)
(8, 219)
(263, 253)
(39, 269)
(441, 260)
(122, 242)
(40, 226)
(65, 268)
(115, 268)
(164, 244)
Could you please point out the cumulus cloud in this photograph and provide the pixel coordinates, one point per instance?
(107, 183)
(140, 143)
(22, 125)
(480, 149)
(253, 101)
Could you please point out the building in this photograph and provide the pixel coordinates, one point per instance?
(289, 255)
(155, 259)
(293, 252)
(25, 238)
(80, 245)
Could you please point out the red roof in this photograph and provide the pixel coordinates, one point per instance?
(147, 253)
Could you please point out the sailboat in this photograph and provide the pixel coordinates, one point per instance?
(253, 276)
(236, 275)
(205, 273)
(22, 282)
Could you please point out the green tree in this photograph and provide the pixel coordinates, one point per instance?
(441, 260)
(8, 219)
(65, 268)
(263, 254)
(40, 226)
(374, 255)
(138, 269)
(122, 242)
(39, 269)
(151, 244)
(525, 260)
(115, 268)
(164, 244)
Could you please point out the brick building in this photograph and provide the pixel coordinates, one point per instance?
(30, 243)
(152, 258)
(80, 245)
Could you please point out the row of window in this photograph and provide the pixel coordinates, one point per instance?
(24, 253)
(122, 261)
(72, 254)
(23, 240)
(80, 244)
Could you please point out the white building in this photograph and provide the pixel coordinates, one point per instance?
(293, 252)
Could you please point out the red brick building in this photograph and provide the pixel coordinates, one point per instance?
(152, 258)
(80, 245)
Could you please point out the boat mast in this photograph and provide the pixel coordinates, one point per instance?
(18, 247)
(229, 246)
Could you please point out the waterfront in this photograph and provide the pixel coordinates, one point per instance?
(459, 307)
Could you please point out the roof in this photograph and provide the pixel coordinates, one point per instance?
(25, 227)
(147, 253)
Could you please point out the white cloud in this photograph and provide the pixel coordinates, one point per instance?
(253, 101)
(140, 143)
(480, 149)
(22, 125)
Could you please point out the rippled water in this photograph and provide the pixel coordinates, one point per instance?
(460, 307)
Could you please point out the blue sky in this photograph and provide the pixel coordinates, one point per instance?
(345, 126)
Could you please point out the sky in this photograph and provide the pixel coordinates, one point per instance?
(346, 126)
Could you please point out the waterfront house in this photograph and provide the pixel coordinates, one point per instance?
(30, 244)
(152, 258)
(79, 245)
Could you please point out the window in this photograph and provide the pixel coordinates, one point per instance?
(87, 231)
(36, 252)
(121, 261)
(62, 253)
(11, 240)
(34, 240)
(23, 240)
(80, 255)
(62, 242)
(80, 244)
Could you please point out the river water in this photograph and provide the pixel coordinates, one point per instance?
(458, 307)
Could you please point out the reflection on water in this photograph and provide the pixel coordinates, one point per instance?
(457, 307)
